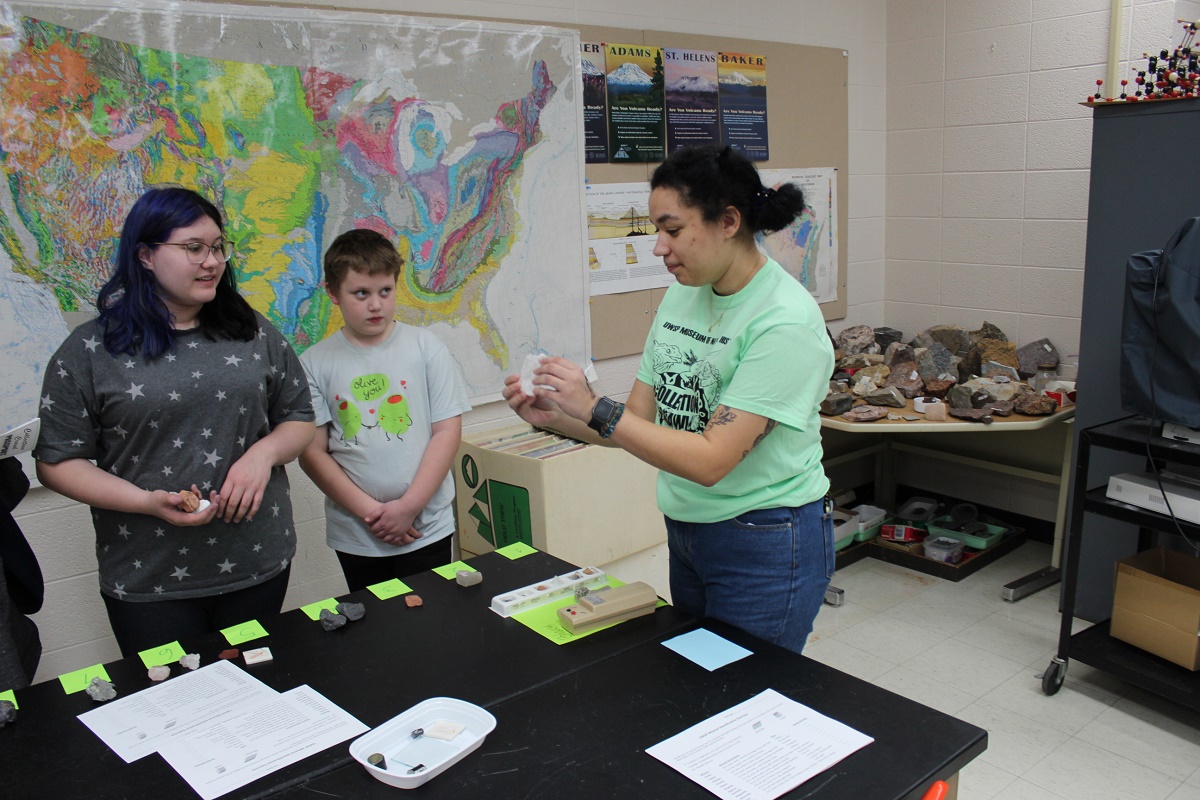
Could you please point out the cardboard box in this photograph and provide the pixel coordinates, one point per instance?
(583, 503)
(1156, 605)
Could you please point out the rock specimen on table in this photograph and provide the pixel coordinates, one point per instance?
(934, 361)
(1035, 405)
(839, 386)
(1034, 354)
(998, 351)
(980, 398)
(906, 379)
(857, 339)
(259, 655)
(937, 387)
(865, 414)
(959, 396)
(413, 601)
(986, 331)
(159, 673)
(972, 414)
(101, 690)
(888, 396)
(1000, 387)
(936, 413)
(859, 361)
(8, 712)
(470, 577)
(352, 611)
(330, 620)
(190, 661)
(993, 369)
(835, 404)
(1000, 408)
(863, 386)
(228, 655)
(899, 353)
(878, 373)
(885, 337)
(952, 337)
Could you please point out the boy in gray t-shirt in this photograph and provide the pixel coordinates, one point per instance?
(389, 402)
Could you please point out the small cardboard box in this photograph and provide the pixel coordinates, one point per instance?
(1156, 605)
(583, 503)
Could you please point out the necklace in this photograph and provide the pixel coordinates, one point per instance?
(711, 309)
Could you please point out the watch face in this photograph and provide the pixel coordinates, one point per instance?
(601, 413)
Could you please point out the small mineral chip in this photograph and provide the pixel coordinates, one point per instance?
(352, 611)
(413, 601)
(159, 673)
(101, 690)
(468, 577)
(8, 712)
(331, 621)
(228, 655)
(258, 656)
(188, 502)
(190, 661)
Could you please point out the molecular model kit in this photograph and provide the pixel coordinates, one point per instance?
(1170, 75)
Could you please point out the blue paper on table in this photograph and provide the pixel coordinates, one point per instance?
(707, 649)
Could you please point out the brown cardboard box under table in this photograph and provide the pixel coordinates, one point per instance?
(1156, 605)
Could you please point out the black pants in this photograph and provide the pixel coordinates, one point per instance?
(364, 571)
(139, 626)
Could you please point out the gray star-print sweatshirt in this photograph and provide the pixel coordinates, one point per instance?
(179, 420)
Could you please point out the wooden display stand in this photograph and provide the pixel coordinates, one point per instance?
(586, 505)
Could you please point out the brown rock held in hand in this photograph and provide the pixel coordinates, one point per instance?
(188, 502)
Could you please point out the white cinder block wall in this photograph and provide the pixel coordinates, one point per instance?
(988, 156)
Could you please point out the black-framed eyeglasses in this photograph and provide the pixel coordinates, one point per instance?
(197, 252)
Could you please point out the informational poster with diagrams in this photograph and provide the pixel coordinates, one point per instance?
(621, 240)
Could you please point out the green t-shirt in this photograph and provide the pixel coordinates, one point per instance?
(763, 350)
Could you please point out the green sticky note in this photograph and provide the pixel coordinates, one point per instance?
(236, 634)
(516, 550)
(10, 697)
(314, 609)
(450, 571)
(157, 656)
(78, 680)
(393, 588)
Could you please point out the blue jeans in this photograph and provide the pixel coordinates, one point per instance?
(765, 571)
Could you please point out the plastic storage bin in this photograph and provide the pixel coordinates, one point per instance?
(845, 528)
(944, 549)
(981, 540)
(870, 520)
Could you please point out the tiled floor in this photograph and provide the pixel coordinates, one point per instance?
(960, 648)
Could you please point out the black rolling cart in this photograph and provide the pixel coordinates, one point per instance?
(1095, 646)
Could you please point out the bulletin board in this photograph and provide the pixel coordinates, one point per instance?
(808, 112)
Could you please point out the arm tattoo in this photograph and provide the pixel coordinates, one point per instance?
(722, 415)
(769, 427)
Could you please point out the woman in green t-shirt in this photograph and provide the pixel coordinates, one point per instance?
(725, 403)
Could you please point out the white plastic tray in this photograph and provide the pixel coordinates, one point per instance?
(394, 740)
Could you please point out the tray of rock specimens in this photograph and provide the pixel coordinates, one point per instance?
(423, 742)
